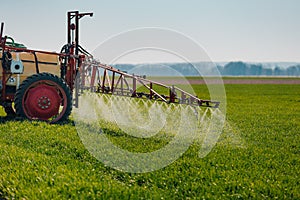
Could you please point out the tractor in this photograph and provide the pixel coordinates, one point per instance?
(42, 85)
(39, 84)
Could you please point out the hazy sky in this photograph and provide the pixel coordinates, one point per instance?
(247, 30)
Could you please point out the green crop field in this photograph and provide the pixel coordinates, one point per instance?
(257, 156)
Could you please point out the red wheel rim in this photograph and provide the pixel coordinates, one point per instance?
(45, 100)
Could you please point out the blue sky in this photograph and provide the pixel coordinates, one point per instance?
(247, 30)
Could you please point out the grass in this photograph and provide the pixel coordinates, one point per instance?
(257, 156)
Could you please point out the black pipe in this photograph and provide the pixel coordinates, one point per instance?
(1, 32)
(36, 63)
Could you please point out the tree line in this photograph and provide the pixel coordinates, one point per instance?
(245, 69)
(238, 68)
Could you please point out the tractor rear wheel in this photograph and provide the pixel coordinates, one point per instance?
(43, 97)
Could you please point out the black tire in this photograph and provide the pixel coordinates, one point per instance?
(45, 97)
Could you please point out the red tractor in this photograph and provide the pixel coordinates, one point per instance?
(42, 85)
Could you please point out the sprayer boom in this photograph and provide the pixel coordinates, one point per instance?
(102, 78)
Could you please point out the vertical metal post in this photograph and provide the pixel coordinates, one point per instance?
(82, 73)
(69, 27)
(151, 93)
(122, 85)
(103, 81)
(1, 32)
(134, 87)
(77, 82)
(172, 94)
(76, 32)
(93, 78)
(113, 82)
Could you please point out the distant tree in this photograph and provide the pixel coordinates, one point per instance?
(255, 70)
(235, 69)
(267, 72)
(230, 69)
(298, 68)
(293, 71)
(278, 71)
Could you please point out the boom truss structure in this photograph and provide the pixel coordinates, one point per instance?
(102, 78)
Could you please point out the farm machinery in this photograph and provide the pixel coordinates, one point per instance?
(42, 85)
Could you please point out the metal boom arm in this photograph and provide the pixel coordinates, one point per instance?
(95, 77)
